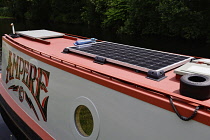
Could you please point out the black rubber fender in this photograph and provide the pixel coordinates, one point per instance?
(195, 86)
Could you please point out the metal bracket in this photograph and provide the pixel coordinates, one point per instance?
(66, 50)
(14, 35)
(99, 60)
(156, 75)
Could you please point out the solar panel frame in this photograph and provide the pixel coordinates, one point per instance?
(96, 49)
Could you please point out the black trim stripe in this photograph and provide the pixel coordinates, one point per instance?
(27, 132)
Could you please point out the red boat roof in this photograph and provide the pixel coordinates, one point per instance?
(55, 49)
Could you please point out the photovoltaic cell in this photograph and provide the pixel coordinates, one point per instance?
(133, 57)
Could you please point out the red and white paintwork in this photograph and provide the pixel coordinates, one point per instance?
(120, 110)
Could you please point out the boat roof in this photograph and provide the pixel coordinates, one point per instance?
(55, 45)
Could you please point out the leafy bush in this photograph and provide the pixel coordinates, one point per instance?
(116, 13)
(189, 19)
(178, 20)
(5, 11)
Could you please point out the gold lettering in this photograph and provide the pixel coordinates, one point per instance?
(9, 71)
(15, 66)
(25, 79)
(32, 77)
(42, 86)
(21, 68)
(35, 79)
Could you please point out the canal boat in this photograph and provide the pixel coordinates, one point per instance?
(67, 87)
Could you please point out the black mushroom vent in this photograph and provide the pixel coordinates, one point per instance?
(195, 86)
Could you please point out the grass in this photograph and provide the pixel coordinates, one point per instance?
(3, 17)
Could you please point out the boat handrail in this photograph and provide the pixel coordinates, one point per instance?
(70, 37)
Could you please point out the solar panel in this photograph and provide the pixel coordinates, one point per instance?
(132, 57)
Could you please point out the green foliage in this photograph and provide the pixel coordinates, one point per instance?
(18, 8)
(93, 11)
(178, 20)
(4, 11)
(143, 17)
(188, 19)
(38, 10)
(116, 13)
(67, 11)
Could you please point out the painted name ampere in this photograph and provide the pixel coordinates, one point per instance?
(34, 78)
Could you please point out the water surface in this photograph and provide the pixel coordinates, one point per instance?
(5, 133)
